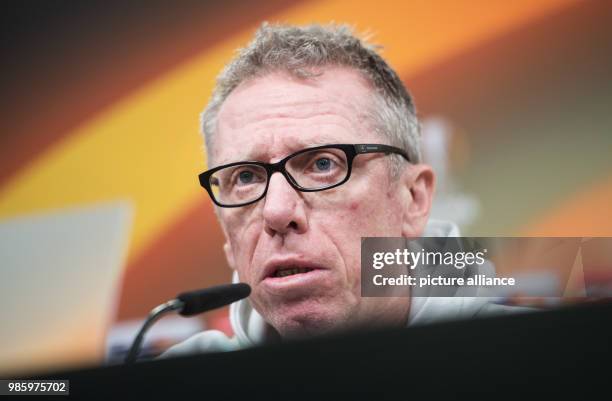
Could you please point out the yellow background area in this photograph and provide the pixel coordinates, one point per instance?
(147, 147)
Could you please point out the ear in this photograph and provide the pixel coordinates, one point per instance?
(419, 182)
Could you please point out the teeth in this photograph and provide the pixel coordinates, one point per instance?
(289, 271)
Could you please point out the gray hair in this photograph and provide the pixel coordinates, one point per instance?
(296, 50)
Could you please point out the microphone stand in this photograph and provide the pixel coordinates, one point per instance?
(154, 315)
(190, 304)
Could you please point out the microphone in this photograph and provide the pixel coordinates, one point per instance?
(195, 302)
(189, 304)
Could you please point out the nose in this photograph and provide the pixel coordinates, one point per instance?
(284, 209)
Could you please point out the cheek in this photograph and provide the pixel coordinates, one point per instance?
(243, 233)
(345, 227)
(368, 218)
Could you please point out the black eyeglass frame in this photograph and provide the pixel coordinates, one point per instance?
(351, 151)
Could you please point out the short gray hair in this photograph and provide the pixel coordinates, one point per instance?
(296, 50)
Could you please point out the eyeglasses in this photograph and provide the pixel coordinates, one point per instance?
(308, 170)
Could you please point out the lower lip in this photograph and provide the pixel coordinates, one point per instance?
(294, 281)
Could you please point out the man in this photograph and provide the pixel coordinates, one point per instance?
(313, 143)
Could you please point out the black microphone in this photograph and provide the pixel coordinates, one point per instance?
(195, 302)
(189, 304)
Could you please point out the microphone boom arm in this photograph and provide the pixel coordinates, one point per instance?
(190, 304)
(154, 315)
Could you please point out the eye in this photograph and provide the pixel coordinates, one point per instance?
(246, 177)
(323, 164)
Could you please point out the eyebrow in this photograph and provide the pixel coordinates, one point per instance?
(258, 155)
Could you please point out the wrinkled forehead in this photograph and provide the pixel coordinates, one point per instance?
(277, 114)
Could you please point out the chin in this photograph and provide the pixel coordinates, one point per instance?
(307, 320)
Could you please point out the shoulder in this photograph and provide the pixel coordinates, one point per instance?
(437, 309)
(206, 341)
(495, 309)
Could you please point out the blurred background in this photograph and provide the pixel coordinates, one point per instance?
(100, 146)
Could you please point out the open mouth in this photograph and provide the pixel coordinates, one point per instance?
(290, 271)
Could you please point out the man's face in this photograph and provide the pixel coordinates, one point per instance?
(319, 233)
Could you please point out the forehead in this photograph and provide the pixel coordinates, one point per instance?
(271, 116)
